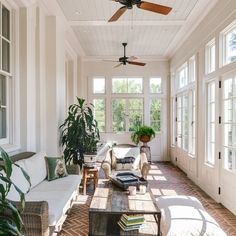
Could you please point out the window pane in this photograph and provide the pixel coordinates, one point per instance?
(228, 111)
(228, 154)
(118, 115)
(3, 123)
(99, 113)
(135, 85)
(3, 90)
(230, 40)
(98, 85)
(135, 107)
(183, 76)
(210, 158)
(119, 85)
(155, 114)
(155, 85)
(5, 55)
(228, 88)
(192, 69)
(5, 22)
(185, 114)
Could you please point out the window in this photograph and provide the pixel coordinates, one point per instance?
(183, 76)
(229, 124)
(210, 56)
(127, 85)
(192, 69)
(179, 121)
(5, 48)
(126, 114)
(229, 44)
(173, 120)
(192, 122)
(155, 85)
(99, 113)
(155, 113)
(99, 85)
(211, 124)
(185, 118)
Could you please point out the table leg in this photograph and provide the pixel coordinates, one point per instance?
(84, 182)
(158, 221)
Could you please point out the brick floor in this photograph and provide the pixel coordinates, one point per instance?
(164, 179)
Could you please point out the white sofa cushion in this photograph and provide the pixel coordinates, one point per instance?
(58, 193)
(19, 180)
(185, 215)
(36, 168)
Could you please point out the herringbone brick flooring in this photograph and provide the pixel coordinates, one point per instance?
(164, 179)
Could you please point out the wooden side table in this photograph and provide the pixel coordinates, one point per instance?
(90, 173)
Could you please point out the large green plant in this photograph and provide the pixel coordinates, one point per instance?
(80, 133)
(142, 131)
(10, 218)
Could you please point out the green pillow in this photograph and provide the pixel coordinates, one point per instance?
(56, 168)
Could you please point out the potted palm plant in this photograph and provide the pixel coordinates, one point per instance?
(80, 133)
(10, 219)
(142, 133)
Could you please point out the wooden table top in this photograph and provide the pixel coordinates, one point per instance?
(112, 200)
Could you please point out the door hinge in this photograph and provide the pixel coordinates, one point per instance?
(176, 139)
(219, 155)
(219, 190)
(220, 84)
(176, 99)
(219, 119)
(176, 119)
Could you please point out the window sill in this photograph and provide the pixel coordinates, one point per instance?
(11, 149)
(209, 165)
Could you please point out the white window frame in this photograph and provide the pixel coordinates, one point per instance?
(228, 29)
(8, 76)
(210, 60)
(208, 122)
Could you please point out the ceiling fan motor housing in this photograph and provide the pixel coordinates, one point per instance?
(129, 3)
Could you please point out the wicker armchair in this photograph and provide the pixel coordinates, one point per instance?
(35, 215)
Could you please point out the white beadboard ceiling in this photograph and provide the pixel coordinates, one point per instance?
(147, 33)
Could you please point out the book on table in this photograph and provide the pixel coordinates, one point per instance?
(131, 222)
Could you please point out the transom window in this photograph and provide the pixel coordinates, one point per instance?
(99, 85)
(127, 85)
(155, 85)
(210, 56)
(183, 76)
(229, 43)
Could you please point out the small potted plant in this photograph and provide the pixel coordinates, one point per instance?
(143, 134)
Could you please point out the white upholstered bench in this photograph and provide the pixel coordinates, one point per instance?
(185, 216)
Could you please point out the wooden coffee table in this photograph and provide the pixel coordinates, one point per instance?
(109, 203)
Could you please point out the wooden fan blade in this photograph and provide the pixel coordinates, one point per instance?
(118, 14)
(118, 65)
(136, 63)
(110, 61)
(132, 58)
(154, 7)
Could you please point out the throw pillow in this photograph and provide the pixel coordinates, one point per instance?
(56, 168)
(125, 163)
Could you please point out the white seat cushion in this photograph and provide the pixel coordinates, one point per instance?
(58, 193)
(185, 216)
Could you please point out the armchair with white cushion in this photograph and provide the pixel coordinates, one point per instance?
(125, 157)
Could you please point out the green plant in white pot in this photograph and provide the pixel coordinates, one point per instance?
(80, 133)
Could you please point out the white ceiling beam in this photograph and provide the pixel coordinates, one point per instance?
(123, 23)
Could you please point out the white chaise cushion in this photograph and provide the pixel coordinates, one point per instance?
(36, 168)
(19, 180)
(185, 215)
(58, 193)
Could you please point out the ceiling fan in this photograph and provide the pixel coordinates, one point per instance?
(128, 4)
(127, 60)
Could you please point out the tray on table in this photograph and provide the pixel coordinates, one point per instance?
(124, 180)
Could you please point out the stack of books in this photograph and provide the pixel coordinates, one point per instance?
(131, 222)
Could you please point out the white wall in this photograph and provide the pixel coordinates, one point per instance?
(208, 178)
(91, 69)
